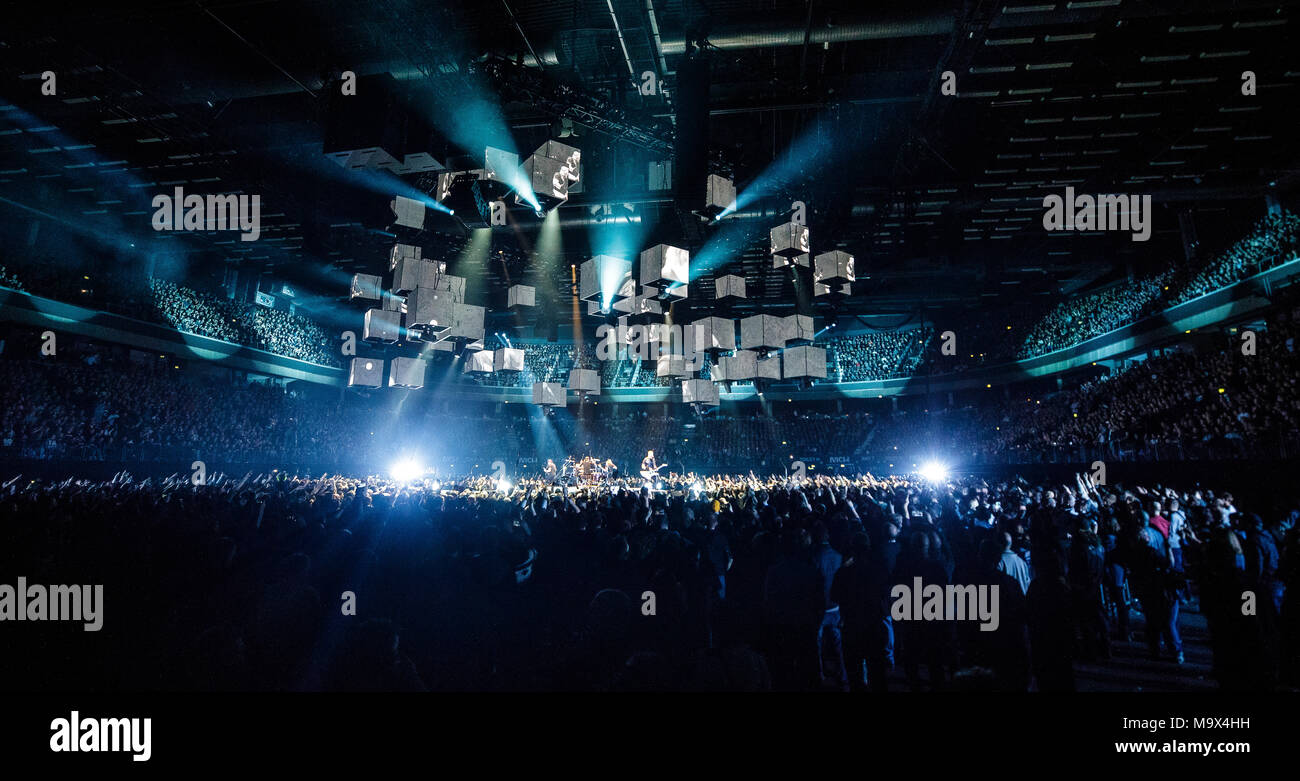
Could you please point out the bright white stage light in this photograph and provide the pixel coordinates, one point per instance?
(934, 471)
(503, 485)
(405, 470)
(697, 486)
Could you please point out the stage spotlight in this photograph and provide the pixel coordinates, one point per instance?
(934, 471)
(503, 485)
(406, 470)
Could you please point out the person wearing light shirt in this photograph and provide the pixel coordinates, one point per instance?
(1011, 564)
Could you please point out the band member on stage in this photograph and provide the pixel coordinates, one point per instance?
(549, 471)
(649, 467)
(611, 469)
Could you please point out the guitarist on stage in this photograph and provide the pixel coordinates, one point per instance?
(649, 468)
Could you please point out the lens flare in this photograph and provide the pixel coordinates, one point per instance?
(934, 471)
(405, 470)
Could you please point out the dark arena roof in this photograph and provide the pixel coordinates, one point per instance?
(294, 293)
(837, 105)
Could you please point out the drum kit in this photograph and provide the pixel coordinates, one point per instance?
(585, 471)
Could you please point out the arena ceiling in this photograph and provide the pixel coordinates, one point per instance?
(938, 196)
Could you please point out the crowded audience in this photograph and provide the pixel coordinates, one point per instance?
(1275, 240)
(730, 582)
(184, 308)
(1082, 317)
(879, 355)
(274, 330)
(150, 410)
(1175, 406)
(769, 549)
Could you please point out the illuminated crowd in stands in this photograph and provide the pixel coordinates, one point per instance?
(92, 409)
(983, 339)
(183, 308)
(274, 330)
(876, 356)
(1274, 240)
(1181, 404)
(1084, 316)
(98, 407)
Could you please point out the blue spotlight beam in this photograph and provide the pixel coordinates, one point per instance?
(812, 149)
